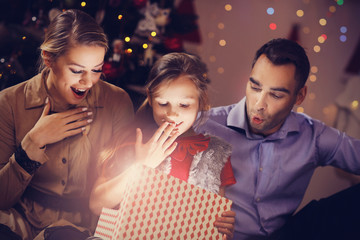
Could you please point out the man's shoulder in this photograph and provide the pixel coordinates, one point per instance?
(307, 122)
(221, 111)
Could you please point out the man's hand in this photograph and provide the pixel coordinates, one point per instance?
(225, 224)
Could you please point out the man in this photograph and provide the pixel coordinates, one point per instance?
(275, 151)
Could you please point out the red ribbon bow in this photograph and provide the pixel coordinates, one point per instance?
(190, 146)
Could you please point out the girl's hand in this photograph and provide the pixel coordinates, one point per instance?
(225, 224)
(160, 145)
(55, 127)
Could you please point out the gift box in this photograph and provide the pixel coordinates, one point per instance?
(159, 206)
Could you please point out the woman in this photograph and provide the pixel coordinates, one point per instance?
(52, 128)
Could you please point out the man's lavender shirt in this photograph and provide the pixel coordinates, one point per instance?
(273, 172)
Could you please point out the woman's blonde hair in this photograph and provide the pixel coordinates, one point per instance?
(68, 29)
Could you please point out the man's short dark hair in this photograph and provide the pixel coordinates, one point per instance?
(282, 51)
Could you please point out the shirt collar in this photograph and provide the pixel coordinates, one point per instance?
(36, 93)
(237, 119)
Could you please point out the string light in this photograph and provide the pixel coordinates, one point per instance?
(312, 96)
(343, 29)
(322, 38)
(228, 7)
(314, 69)
(127, 39)
(221, 26)
(322, 21)
(300, 13)
(145, 46)
(332, 9)
(306, 30)
(83, 4)
(272, 26)
(312, 78)
(120, 16)
(355, 104)
(222, 42)
(153, 34)
(270, 11)
(340, 2)
(343, 38)
(317, 48)
(212, 58)
(300, 110)
(220, 70)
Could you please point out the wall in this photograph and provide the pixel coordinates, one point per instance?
(246, 27)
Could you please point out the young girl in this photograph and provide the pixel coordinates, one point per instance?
(176, 93)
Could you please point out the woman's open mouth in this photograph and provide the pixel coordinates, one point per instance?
(79, 92)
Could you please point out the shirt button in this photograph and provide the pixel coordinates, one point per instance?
(63, 160)
(63, 182)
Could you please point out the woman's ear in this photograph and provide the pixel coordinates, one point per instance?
(46, 57)
(148, 97)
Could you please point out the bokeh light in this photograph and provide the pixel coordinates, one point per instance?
(340, 2)
(343, 29)
(228, 7)
(355, 104)
(317, 48)
(212, 58)
(120, 16)
(321, 39)
(220, 70)
(221, 26)
(153, 34)
(306, 30)
(343, 38)
(326, 110)
(300, 13)
(322, 21)
(83, 4)
(145, 46)
(222, 42)
(312, 96)
(211, 35)
(314, 69)
(332, 9)
(312, 78)
(270, 11)
(272, 26)
(300, 110)
(127, 39)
